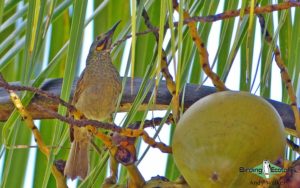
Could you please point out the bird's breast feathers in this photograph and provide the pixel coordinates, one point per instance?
(98, 102)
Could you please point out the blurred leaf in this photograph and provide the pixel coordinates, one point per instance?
(208, 8)
(285, 42)
(172, 171)
(10, 5)
(248, 52)
(225, 39)
(1, 10)
(266, 56)
(145, 45)
(294, 65)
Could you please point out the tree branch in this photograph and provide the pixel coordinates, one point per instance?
(192, 94)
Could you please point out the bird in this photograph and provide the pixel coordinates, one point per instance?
(96, 95)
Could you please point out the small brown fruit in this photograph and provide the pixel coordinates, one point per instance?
(225, 131)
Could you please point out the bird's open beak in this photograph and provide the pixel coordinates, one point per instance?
(112, 30)
(107, 37)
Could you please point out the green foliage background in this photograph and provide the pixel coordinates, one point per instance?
(24, 25)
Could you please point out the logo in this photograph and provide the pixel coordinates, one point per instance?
(265, 170)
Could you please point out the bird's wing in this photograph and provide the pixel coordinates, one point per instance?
(78, 89)
(77, 93)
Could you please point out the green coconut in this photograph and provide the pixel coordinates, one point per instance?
(224, 132)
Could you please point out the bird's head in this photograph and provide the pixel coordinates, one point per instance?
(104, 40)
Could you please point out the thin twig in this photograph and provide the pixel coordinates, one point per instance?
(109, 126)
(203, 53)
(171, 86)
(38, 91)
(222, 16)
(234, 13)
(284, 73)
(19, 146)
(82, 122)
(157, 121)
(292, 145)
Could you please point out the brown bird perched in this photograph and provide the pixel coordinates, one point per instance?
(95, 96)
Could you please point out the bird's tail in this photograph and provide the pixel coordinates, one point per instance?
(78, 161)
